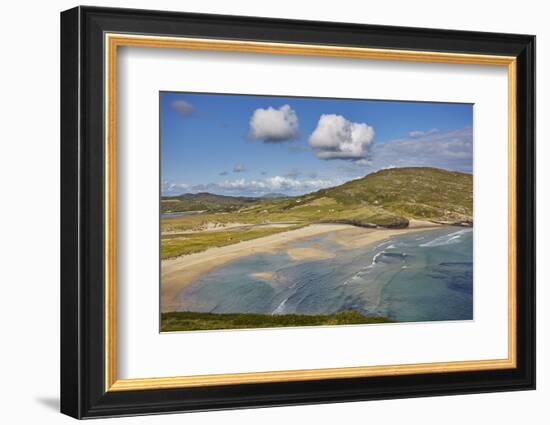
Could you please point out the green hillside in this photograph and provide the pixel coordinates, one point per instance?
(421, 193)
(386, 198)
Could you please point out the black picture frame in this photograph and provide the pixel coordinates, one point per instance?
(83, 392)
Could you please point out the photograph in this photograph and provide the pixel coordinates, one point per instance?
(285, 211)
(300, 208)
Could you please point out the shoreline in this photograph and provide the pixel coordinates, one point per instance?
(177, 273)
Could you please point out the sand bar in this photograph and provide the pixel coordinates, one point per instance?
(267, 276)
(178, 272)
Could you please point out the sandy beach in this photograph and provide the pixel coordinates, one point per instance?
(178, 272)
(357, 237)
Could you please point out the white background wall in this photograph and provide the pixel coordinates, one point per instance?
(29, 224)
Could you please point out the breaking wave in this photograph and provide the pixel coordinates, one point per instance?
(280, 308)
(449, 239)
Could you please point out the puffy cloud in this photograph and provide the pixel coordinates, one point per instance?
(270, 184)
(239, 168)
(274, 125)
(289, 183)
(337, 138)
(182, 107)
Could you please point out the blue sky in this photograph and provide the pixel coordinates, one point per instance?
(254, 145)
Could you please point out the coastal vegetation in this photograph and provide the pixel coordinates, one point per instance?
(177, 244)
(191, 321)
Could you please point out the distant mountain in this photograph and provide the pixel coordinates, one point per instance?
(388, 198)
(274, 196)
(205, 201)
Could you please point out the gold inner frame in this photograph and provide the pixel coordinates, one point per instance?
(113, 41)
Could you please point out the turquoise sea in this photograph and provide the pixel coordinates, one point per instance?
(422, 276)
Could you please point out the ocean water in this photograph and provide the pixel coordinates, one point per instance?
(423, 276)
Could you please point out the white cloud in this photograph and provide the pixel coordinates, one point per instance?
(419, 133)
(182, 107)
(274, 125)
(239, 168)
(171, 188)
(337, 138)
(238, 184)
(281, 182)
(271, 184)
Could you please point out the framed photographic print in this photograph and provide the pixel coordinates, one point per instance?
(261, 212)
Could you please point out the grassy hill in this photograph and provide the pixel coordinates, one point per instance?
(420, 193)
(387, 198)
